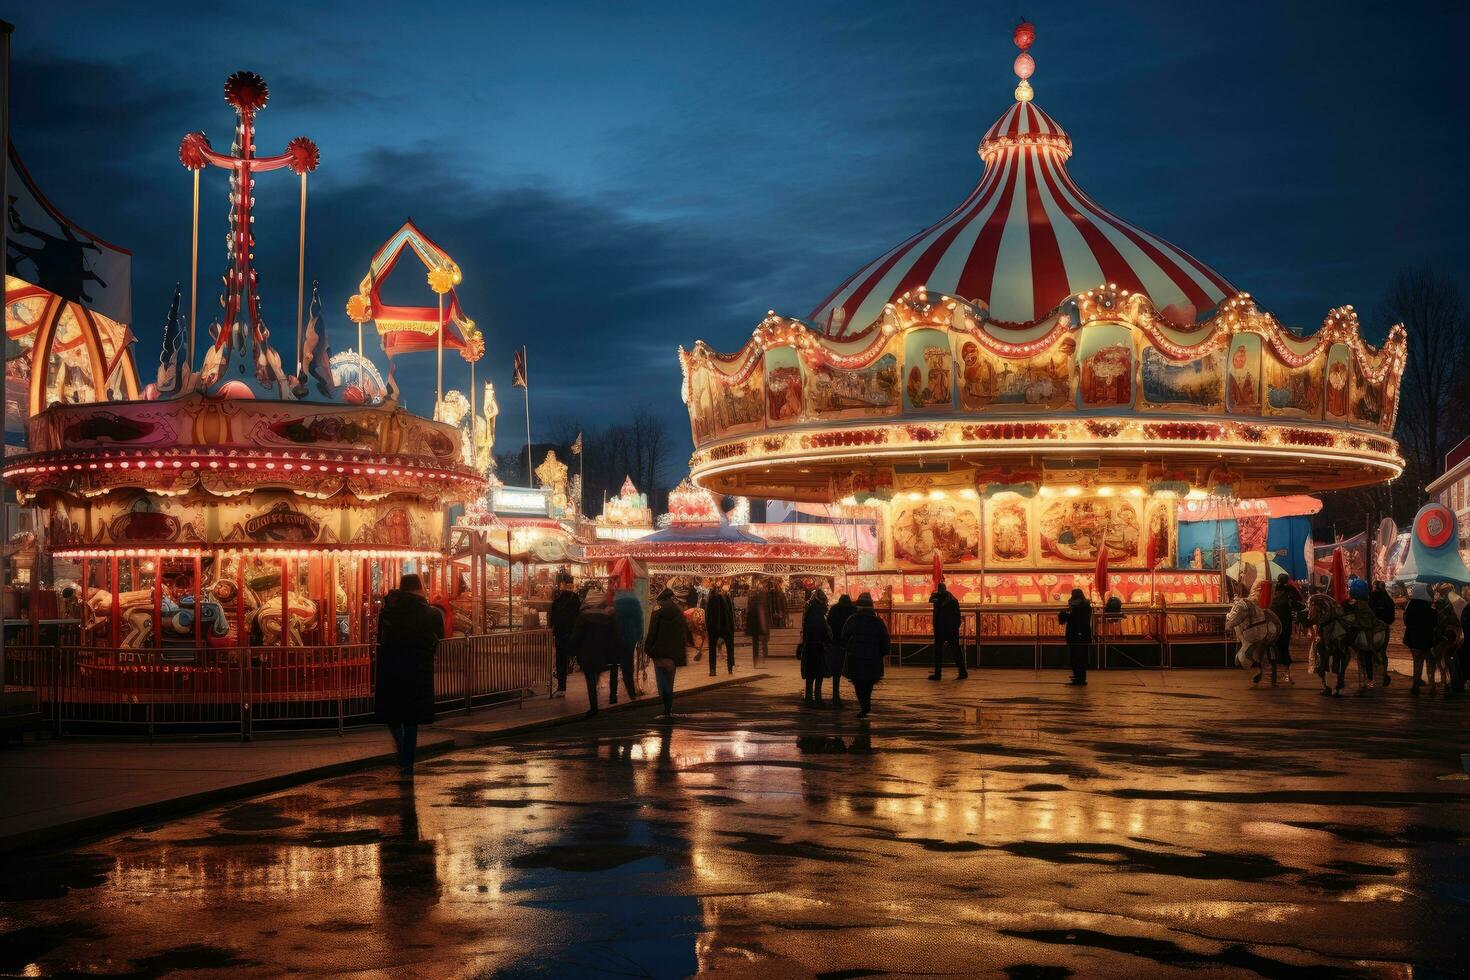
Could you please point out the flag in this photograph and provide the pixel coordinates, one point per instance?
(518, 370)
(1339, 577)
(577, 446)
(171, 357)
(938, 568)
(1265, 598)
(1100, 571)
(1153, 552)
(315, 359)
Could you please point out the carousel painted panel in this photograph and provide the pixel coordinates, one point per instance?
(1337, 384)
(128, 424)
(127, 520)
(1190, 386)
(1367, 397)
(921, 527)
(1293, 392)
(783, 386)
(928, 372)
(1008, 531)
(870, 392)
(1071, 529)
(1105, 366)
(1042, 382)
(727, 409)
(1243, 375)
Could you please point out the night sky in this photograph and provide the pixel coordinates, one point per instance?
(617, 179)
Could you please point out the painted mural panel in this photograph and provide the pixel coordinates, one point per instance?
(928, 372)
(1071, 530)
(834, 393)
(987, 380)
(1009, 531)
(1293, 392)
(1159, 523)
(1367, 400)
(1338, 384)
(920, 527)
(783, 386)
(1192, 385)
(735, 408)
(1243, 375)
(1105, 366)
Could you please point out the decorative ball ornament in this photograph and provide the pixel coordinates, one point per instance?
(474, 347)
(247, 91)
(359, 308)
(443, 278)
(304, 155)
(191, 151)
(1024, 92)
(1024, 35)
(1025, 66)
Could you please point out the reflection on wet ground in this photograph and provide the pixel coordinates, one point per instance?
(1011, 827)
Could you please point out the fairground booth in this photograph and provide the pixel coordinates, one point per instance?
(222, 540)
(1034, 392)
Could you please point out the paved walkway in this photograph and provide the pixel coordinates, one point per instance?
(60, 789)
(1151, 824)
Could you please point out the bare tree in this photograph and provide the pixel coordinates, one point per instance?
(1432, 397)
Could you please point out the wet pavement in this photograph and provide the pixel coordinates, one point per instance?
(1147, 825)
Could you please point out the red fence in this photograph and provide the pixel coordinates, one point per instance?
(248, 689)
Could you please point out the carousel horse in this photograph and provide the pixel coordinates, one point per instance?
(176, 618)
(1256, 628)
(302, 613)
(135, 611)
(1329, 638)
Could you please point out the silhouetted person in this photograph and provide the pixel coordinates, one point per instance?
(865, 645)
(719, 626)
(667, 644)
(563, 616)
(595, 643)
(1077, 617)
(836, 619)
(776, 596)
(1286, 602)
(815, 635)
(1419, 622)
(628, 612)
(946, 617)
(409, 631)
(758, 624)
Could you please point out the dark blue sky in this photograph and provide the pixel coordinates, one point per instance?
(617, 179)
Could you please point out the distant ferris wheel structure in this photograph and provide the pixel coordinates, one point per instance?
(354, 374)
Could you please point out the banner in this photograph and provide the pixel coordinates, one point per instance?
(44, 249)
(1354, 557)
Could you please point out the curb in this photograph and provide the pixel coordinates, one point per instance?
(469, 737)
(83, 829)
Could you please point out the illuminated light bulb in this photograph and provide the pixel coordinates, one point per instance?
(1074, 491)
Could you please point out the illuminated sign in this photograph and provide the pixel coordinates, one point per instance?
(520, 500)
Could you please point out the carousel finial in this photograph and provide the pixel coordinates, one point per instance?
(1025, 66)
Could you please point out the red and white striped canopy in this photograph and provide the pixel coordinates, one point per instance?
(1025, 240)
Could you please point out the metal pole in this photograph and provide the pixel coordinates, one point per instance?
(526, 390)
(300, 272)
(5, 31)
(194, 272)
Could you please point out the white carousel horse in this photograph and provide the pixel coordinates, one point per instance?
(302, 615)
(1256, 628)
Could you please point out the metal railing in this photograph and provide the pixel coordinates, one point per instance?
(89, 690)
(1031, 636)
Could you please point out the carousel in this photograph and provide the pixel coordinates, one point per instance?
(1028, 391)
(253, 505)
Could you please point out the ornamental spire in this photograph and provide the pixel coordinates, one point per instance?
(1025, 66)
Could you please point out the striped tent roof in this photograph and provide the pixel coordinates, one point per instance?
(1025, 240)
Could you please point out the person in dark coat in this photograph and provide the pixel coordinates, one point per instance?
(1461, 665)
(864, 641)
(758, 624)
(628, 612)
(719, 626)
(409, 631)
(946, 617)
(815, 635)
(667, 645)
(1286, 602)
(595, 644)
(1419, 622)
(837, 618)
(776, 598)
(1077, 617)
(563, 617)
(1382, 604)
